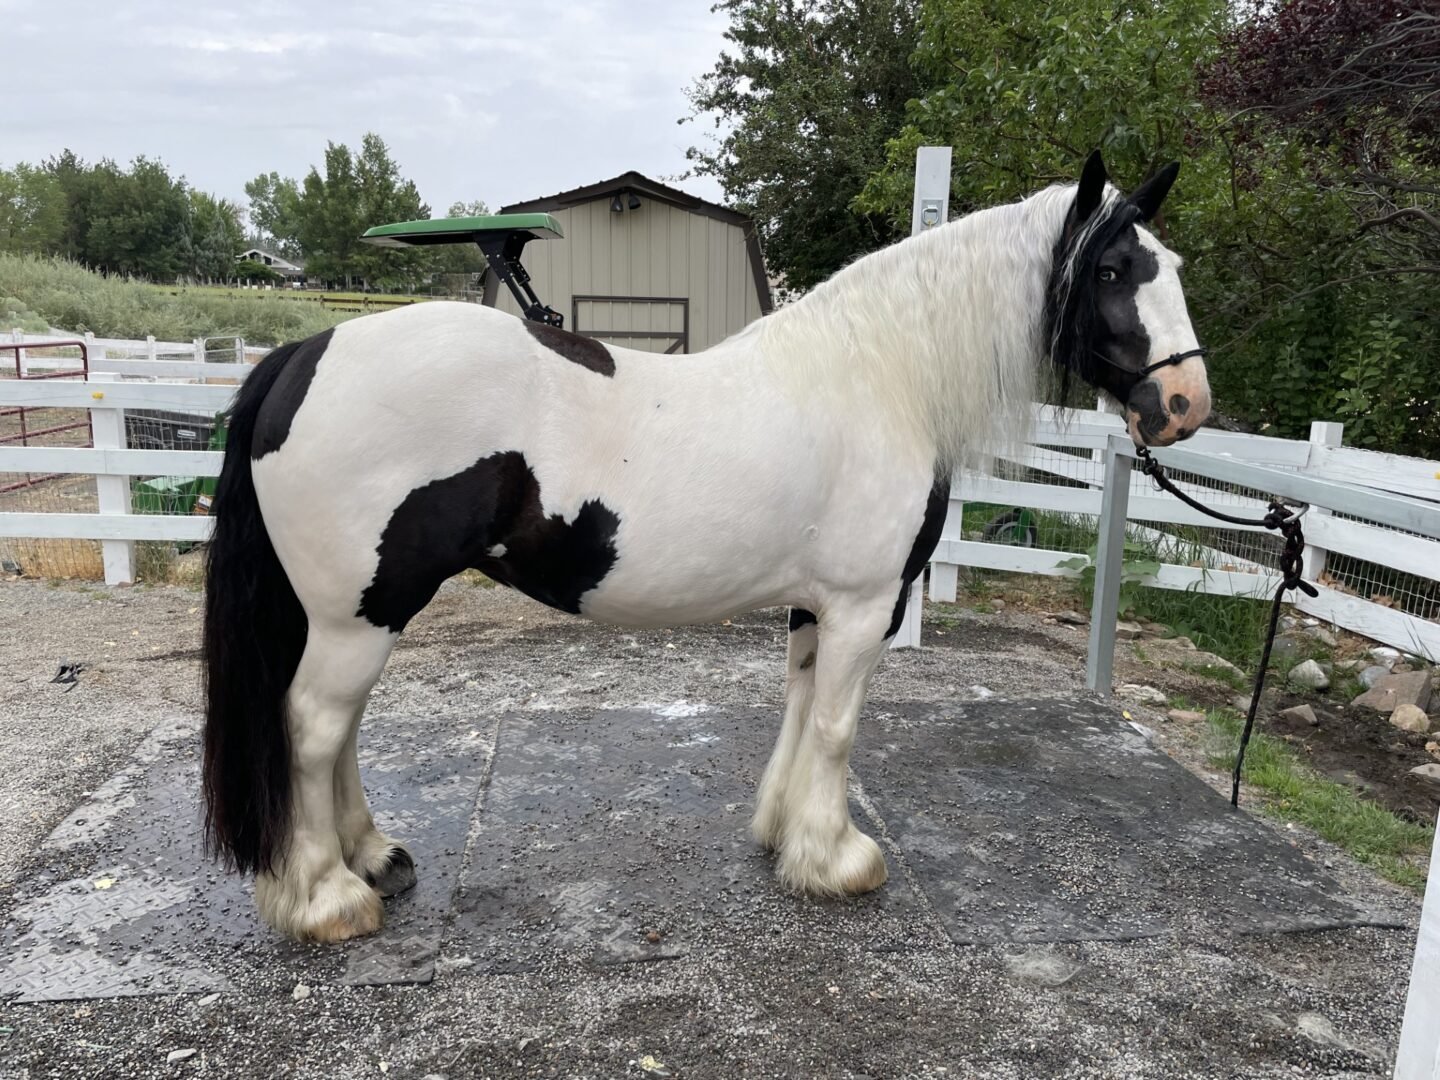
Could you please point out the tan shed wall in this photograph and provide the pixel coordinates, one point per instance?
(658, 250)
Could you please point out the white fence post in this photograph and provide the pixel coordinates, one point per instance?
(1109, 569)
(1322, 433)
(930, 209)
(199, 350)
(1419, 1055)
(108, 428)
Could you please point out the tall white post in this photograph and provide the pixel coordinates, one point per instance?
(1419, 1055)
(930, 209)
(1322, 433)
(107, 427)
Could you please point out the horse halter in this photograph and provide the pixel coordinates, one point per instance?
(1174, 358)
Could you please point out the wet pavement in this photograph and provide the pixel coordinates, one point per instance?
(621, 836)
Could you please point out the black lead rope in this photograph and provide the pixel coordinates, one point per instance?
(1287, 521)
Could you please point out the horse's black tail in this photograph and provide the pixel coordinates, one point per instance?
(254, 636)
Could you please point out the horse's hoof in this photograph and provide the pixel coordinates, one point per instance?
(396, 876)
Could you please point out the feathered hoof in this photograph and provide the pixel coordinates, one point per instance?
(848, 867)
(338, 907)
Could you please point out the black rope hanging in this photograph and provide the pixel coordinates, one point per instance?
(1287, 522)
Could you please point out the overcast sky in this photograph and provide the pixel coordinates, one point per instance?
(496, 101)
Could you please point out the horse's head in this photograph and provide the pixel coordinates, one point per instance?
(1116, 314)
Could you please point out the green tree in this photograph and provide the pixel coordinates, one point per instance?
(274, 210)
(1024, 91)
(213, 237)
(806, 98)
(457, 263)
(32, 211)
(355, 193)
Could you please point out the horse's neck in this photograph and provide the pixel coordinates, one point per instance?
(941, 333)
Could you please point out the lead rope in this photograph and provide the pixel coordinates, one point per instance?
(1287, 521)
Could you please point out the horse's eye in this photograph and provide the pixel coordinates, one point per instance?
(1108, 275)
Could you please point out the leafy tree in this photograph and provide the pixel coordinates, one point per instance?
(1024, 91)
(248, 270)
(355, 193)
(275, 213)
(32, 211)
(213, 237)
(807, 98)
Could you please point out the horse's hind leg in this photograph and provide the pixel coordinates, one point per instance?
(768, 822)
(385, 863)
(310, 893)
(821, 850)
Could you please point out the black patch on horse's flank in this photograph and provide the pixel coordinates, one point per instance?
(453, 524)
(272, 426)
(577, 348)
(936, 507)
(800, 617)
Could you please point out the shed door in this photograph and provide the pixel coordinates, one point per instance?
(652, 323)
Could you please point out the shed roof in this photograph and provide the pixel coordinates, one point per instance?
(652, 189)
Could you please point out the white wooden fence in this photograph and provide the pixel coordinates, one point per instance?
(1068, 484)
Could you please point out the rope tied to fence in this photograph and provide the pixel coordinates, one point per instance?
(1281, 518)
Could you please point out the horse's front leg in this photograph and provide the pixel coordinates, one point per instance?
(821, 850)
(801, 648)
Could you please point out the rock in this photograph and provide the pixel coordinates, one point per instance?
(180, 1055)
(1429, 775)
(1188, 716)
(208, 999)
(1350, 666)
(1154, 629)
(1127, 631)
(1200, 659)
(1410, 718)
(1302, 712)
(997, 605)
(1291, 646)
(301, 992)
(1373, 674)
(1146, 695)
(1072, 618)
(1392, 691)
(1320, 634)
(1383, 654)
(1308, 674)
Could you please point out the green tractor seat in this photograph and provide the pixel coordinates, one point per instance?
(502, 237)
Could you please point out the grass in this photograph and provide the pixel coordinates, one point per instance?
(1390, 845)
(37, 293)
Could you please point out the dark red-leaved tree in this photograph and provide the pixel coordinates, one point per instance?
(1358, 83)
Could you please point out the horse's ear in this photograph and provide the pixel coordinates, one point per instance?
(1149, 195)
(1092, 187)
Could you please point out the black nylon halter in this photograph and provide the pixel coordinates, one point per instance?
(1173, 358)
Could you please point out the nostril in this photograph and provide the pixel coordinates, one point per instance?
(1179, 404)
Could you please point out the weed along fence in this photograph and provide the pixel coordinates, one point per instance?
(1035, 510)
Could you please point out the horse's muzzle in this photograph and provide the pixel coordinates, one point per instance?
(1170, 404)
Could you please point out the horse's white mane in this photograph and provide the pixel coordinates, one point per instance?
(944, 331)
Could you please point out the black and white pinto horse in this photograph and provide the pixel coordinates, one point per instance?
(804, 461)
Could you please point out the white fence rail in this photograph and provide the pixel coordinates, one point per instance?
(1060, 481)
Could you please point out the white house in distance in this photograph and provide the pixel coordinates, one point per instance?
(644, 265)
(284, 267)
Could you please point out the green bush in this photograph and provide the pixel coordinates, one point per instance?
(68, 296)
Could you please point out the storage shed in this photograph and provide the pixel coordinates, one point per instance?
(644, 266)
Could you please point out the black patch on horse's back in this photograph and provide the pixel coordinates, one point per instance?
(577, 348)
(936, 507)
(287, 394)
(456, 523)
(800, 617)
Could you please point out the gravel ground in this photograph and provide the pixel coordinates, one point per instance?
(768, 1001)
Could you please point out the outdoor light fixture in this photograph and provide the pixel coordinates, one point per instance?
(615, 205)
(634, 201)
